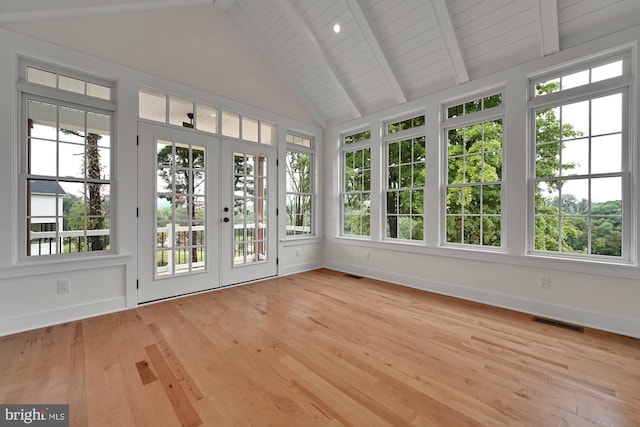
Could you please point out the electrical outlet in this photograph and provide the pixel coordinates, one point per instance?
(297, 251)
(544, 282)
(64, 286)
(366, 255)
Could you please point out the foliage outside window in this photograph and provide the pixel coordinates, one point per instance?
(67, 166)
(405, 182)
(579, 166)
(356, 181)
(299, 186)
(181, 208)
(474, 178)
(475, 105)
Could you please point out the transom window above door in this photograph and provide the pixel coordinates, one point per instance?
(160, 107)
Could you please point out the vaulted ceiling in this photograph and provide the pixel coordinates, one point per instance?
(388, 52)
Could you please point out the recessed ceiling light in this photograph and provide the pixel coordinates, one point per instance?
(336, 28)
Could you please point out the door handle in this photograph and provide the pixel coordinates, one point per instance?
(226, 219)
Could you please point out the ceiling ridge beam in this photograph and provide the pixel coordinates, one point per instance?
(549, 27)
(443, 16)
(301, 26)
(245, 23)
(76, 12)
(376, 49)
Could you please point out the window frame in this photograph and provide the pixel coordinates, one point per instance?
(412, 134)
(465, 120)
(311, 151)
(28, 91)
(351, 147)
(622, 85)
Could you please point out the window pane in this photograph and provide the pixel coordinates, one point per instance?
(71, 160)
(548, 125)
(547, 198)
(152, 105)
(606, 191)
(41, 77)
(606, 115)
(230, 125)
(249, 129)
(41, 153)
(606, 71)
(547, 160)
(206, 118)
(98, 91)
(575, 157)
(268, 135)
(43, 119)
(180, 112)
(575, 193)
(606, 154)
(574, 80)
(100, 126)
(72, 125)
(71, 84)
(575, 119)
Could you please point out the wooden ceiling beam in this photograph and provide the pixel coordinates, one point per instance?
(376, 49)
(451, 40)
(549, 31)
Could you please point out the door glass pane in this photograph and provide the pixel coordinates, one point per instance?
(250, 209)
(180, 208)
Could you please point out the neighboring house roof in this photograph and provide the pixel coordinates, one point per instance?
(46, 187)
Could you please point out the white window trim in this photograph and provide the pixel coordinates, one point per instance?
(314, 199)
(621, 84)
(347, 148)
(388, 138)
(494, 113)
(28, 90)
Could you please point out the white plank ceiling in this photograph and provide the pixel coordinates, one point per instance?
(388, 52)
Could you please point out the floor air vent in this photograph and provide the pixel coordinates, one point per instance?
(353, 276)
(559, 324)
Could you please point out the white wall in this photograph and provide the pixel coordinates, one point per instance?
(28, 288)
(591, 294)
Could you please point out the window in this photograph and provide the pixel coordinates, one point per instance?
(405, 168)
(356, 182)
(181, 203)
(473, 199)
(299, 186)
(159, 107)
(65, 169)
(580, 168)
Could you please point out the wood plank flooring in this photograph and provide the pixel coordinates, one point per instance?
(323, 349)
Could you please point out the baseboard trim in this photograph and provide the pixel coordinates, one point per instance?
(587, 318)
(299, 268)
(42, 319)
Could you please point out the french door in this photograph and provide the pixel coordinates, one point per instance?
(205, 214)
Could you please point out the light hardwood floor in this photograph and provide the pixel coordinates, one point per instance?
(323, 349)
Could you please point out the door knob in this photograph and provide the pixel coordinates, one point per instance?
(226, 219)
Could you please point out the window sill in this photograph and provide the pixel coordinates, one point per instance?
(36, 267)
(619, 269)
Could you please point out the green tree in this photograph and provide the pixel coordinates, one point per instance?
(357, 203)
(96, 213)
